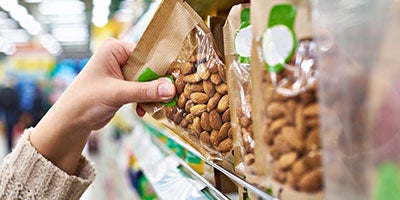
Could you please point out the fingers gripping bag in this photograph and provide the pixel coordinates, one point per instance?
(178, 44)
(237, 44)
(284, 101)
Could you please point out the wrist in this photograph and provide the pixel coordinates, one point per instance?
(60, 139)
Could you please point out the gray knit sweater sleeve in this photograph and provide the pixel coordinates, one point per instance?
(26, 174)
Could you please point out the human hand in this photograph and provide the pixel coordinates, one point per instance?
(91, 101)
(100, 89)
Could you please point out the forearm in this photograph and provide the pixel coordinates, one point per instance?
(59, 139)
(24, 170)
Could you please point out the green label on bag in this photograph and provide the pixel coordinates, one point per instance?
(149, 75)
(387, 183)
(242, 42)
(279, 40)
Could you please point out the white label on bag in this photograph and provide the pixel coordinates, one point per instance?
(277, 44)
(243, 42)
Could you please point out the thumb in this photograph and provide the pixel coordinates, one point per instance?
(160, 90)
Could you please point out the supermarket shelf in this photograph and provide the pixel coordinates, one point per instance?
(216, 193)
(170, 176)
(261, 194)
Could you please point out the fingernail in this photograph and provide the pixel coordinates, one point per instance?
(166, 90)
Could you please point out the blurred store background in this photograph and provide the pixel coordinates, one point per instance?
(43, 45)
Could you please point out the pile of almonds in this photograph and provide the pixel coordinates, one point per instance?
(203, 103)
(292, 134)
(246, 127)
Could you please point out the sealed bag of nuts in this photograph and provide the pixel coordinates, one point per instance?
(237, 43)
(179, 45)
(285, 110)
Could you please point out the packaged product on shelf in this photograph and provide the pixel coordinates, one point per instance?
(284, 80)
(237, 41)
(177, 44)
(359, 97)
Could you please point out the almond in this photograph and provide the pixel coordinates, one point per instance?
(199, 97)
(187, 91)
(196, 110)
(223, 104)
(213, 102)
(299, 167)
(311, 110)
(311, 181)
(208, 88)
(312, 122)
(198, 58)
(225, 145)
(179, 84)
(196, 126)
(202, 71)
(192, 78)
(276, 110)
(170, 111)
(268, 137)
(282, 144)
(313, 141)
(276, 125)
(287, 160)
(291, 179)
(213, 137)
(223, 132)
(178, 117)
(249, 159)
(188, 119)
(250, 128)
(244, 121)
(181, 101)
(277, 173)
(197, 87)
(308, 97)
(289, 132)
(204, 122)
(213, 67)
(189, 104)
(300, 122)
(230, 132)
(291, 111)
(313, 160)
(221, 72)
(205, 138)
(226, 117)
(215, 79)
(215, 120)
(187, 68)
(221, 88)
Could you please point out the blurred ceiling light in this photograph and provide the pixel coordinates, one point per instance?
(51, 44)
(61, 7)
(7, 47)
(19, 13)
(8, 24)
(33, 1)
(71, 33)
(65, 19)
(27, 21)
(100, 21)
(8, 5)
(34, 28)
(15, 35)
(3, 15)
(100, 12)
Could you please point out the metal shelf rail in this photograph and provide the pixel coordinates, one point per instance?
(261, 194)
